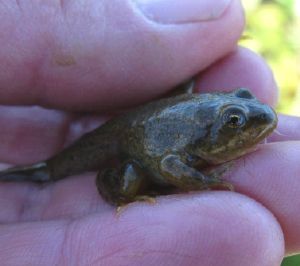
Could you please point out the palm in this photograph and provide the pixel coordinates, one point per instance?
(69, 215)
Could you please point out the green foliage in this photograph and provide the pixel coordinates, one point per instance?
(273, 29)
(291, 261)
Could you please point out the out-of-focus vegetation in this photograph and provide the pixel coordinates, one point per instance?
(291, 261)
(273, 30)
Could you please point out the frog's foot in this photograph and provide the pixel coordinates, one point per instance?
(121, 209)
(220, 170)
(121, 186)
(218, 183)
(142, 198)
(213, 177)
(177, 173)
(146, 198)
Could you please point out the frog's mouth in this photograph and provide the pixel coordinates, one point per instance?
(261, 137)
(266, 122)
(245, 146)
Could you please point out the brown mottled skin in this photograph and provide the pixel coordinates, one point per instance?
(163, 144)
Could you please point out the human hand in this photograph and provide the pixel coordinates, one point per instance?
(104, 55)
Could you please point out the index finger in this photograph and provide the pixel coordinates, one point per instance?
(42, 133)
(105, 54)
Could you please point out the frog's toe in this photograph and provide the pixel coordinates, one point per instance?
(142, 198)
(146, 198)
(227, 185)
(220, 183)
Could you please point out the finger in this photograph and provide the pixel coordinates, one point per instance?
(288, 129)
(211, 228)
(100, 54)
(242, 68)
(31, 134)
(271, 176)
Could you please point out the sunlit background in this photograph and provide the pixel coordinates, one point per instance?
(273, 30)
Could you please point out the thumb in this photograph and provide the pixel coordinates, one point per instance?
(87, 55)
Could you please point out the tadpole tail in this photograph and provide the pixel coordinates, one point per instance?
(34, 173)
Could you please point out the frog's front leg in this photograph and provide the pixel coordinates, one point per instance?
(122, 185)
(179, 174)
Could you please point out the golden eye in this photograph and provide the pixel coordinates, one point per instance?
(234, 118)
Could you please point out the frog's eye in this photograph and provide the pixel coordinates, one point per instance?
(234, 118)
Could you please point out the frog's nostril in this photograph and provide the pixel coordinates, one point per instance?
(268, 118)
(263, 117)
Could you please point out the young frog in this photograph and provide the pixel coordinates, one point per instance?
(164, 144)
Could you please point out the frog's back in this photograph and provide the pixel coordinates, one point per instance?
(165, 126)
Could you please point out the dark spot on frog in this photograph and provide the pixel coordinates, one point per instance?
(243, 93)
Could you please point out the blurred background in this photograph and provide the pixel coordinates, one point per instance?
(273, 31)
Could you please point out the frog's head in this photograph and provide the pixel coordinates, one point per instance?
(238, 121)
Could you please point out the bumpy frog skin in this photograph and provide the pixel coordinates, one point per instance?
(162, 145)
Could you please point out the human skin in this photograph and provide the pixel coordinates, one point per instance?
(89, 70)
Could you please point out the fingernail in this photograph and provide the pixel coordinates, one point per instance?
(182, 11)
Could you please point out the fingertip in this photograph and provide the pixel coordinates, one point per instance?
(214, 228)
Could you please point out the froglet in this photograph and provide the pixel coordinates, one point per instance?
(165, 144)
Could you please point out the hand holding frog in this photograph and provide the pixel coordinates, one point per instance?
(67, 219)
